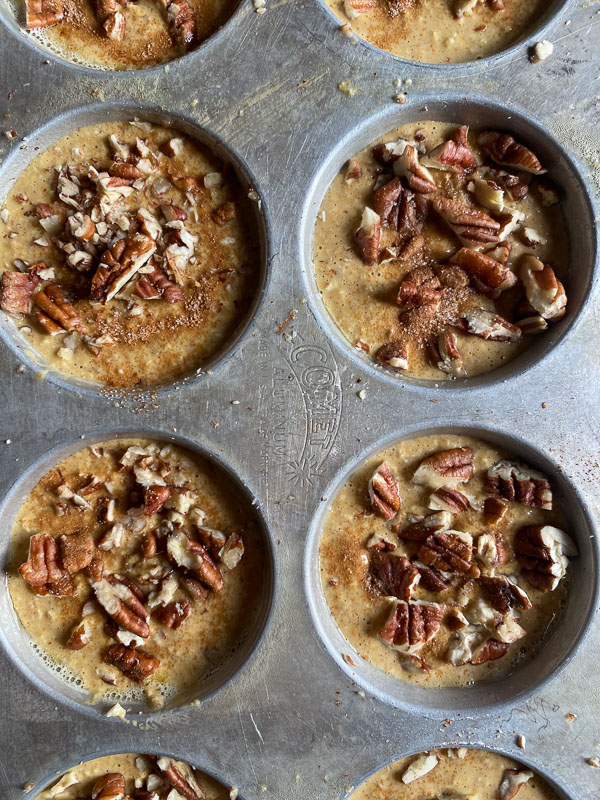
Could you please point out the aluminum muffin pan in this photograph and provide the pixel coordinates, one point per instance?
(59, 127)
(530, 676)
(291, 725)
(477, 112)
(18, 644)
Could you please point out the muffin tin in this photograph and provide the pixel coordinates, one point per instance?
(287, 413)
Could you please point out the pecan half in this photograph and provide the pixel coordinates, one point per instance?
(490, 549)
(119, 264)
(445, 355)
(418, 177)
(411, 625)
(181, 777)
(450, 551)
(191, 555)
(489, 325)
(43, 13)
(423, 528)
(122, 604)
(506, 151)
(174, 614)
(447, 499)
(16, 289)
(543, 289)
(368, 236)
(156, 284)
(543, 552)
(53, 301)
(473, 227)
(395, 575)
(133, 662)
(109, 787)
(394, 354)
(454, 155)
(446, 467)
(503, 594)
(154, 499)
(43, 570)
(77, 550)
(385, 202)
(384, 493)
(512, 780)
(513, 480)
(487, 275)
(412, 211)
(419, 287)
(494, 510)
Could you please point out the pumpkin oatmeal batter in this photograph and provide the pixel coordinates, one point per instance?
(130, 254)
(121, 35)
(431, 250)
(444, 561)
(440, 31)
(151, 777)
(453, 774)
(137, 570)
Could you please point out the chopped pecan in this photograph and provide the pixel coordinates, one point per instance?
(419, 531)
(122, 604)
(119, 264)
(543, 289)
(53, 301)
(412, 211)
(156, 284)
(412, 248)
(487, 275)
(447, 499)
(411, 625)
(182, 22)
(512, 780)
(379, 543)
(110, 18)
(194, 588)
(43, 13)
(531, 326)
(224, 213)
(419, 767)
(488, 193)
(16, 289)
(418, 177)
(212, 539)
(174, 614)
(451, 277)
(490, 650)
(543, 552)
(431, 579)
(133, 662)
(454, 154)
(43, 570)
(172, 213)
(149, 544)
(489, 325)
(395, 7)
(490, 549)
(368, 236)
(473, 227)
(353, 171)
(394, 354)
(154, 499)
(109, 787)
(450, 551)
(79, 636)
(464, 8)
(419, 287)
(191, 555)
(513, 480)
(385, 202)
(499, 252)
(95, 569)
(506, 151)
(181, 777)
(547, 192)
(509, 221)
(395, 575)
(445, 355)
(494, 510)
(354, 8)
(81, 226)
(446, 467)
(503, 594)
(512, 184)
(123, 169)
(77, 550)
(384, 493)
(232, 551)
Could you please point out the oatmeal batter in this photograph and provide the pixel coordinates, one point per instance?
(361, 605)
(364, 299)
(94, 493)
(146, 770)
(464, 773)
(130, 182)
(440, 31)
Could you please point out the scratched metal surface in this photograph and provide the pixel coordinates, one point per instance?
(291, 725)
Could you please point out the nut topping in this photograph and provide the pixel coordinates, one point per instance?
(385, 202)
(447, 499)
(154, 499)
(473, 227)
(511, 782)
(445, 355)
(488, 325)
(53, 301)
(507, 152)
(490, 549)
(43, 13)
(419, 767)
(418, 177)
(544, 291)
(450, 551)
(16, 289)
(174, 614)
(79, 637)
(543, 552)
(232, 551)
(119, 265)
(516, 481)
(384, 494)
(43, 570)
(423, 528)
(394, 354)
(77, 551)
(396, 576)
(354, 8)
(445, 468)
(191, 555)
(487, 275)
(182, 22)
(411, 625)
(494, 510)
(490, 650)
(503, 594)
(454, 155)
(181, 778)
(368, 236)
(419, 287)
(121, 603)
(353, 171)
(109, 787)
(133, 662)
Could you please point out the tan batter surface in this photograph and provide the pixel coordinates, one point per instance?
(475, 774)
(190, 654)
(146, 43)
(429, 31)
(360, 613)
(166, 340)
(361, 299)
(131, 765)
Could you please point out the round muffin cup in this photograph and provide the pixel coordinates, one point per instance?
(484, 697)
(476, 111)
(54, 130)
(555, 10)
(16, 641)
(520, 756)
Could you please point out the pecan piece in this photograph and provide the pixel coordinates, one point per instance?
(543, 552)
(385, 202)
(411, 625)
(79, 636)
(454, 155)
(490, 549)
(232, 551)
(156, 284)
(223, 214)
(16, 289)
(182, 22)
(123, 169)
(423, 528)
(487, 275)
(431, 579)
(418, 177)
(194, 588)
(513, 480)
(43, 13)
(506, 151)
(512, 184)
(353, 171)
(445, 468)
(531, 326)
(489, 325)
(109, 787)
(354, 8)
(368, 236)
(473, 227)
(512, 780)
(43, 570)
(174, 614)
(77, 550)
(53, 301)
(450, 551)
(394, 354)
(447, 499)
(110, 18)
(490, 650)
(379, 543)
(543, 289)
(122, 604)
(503, 594)
(384, 493)
(133, 662)
(192, 556)
(154, 499)
(181, 777)
(419, 287)
(395, 575)
(119, 264)
(494, 510)
(445, 355)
